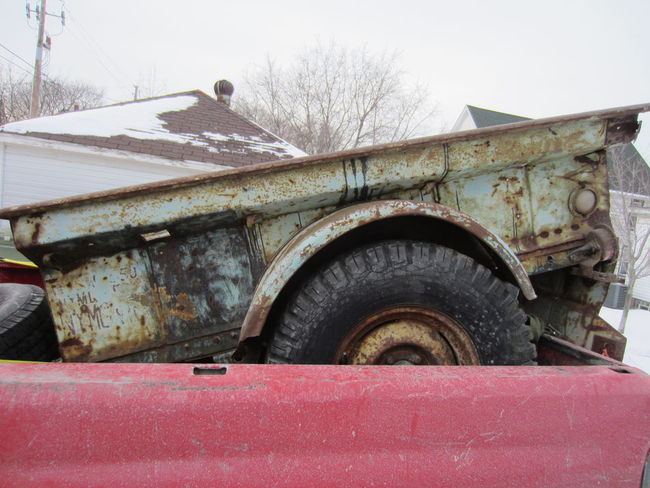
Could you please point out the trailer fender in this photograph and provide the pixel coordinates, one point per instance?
(318, 235)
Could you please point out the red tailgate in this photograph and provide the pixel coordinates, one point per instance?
(163, 425)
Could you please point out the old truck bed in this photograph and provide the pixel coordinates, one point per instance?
(183, 269)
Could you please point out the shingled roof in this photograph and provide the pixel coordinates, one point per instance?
(188, 126)
(487, 118)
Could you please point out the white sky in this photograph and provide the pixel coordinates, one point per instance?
(535, 59)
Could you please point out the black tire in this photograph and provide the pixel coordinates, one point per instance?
(26, 330)
(392, 277)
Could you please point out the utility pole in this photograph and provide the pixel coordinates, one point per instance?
(34, 108)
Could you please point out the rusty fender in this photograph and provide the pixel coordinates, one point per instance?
(318, 235)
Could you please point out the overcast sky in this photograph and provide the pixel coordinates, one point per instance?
(535, 59)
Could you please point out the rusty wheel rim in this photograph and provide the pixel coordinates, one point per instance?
(408, 336)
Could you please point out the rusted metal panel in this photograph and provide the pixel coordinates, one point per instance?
(105, 307)
(151, 299)
(219, 345)
(570, 305)
(250, 425)
(623, 129)
(516, 181)
(315, 237)
(553, 351)
(204, 282)
(535, 213)
(321, 183)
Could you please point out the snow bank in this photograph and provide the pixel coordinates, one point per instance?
(637, 331)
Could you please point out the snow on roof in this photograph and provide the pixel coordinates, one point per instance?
(137, 120)
(187, 126)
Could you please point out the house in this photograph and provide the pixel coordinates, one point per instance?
(126, 144)
(629, 181)
(476, 118)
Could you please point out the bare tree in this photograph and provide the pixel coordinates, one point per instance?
(57, 96)
(333, 98)
(630, 211)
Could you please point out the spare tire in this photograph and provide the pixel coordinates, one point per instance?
(26, 329)
(402, 303)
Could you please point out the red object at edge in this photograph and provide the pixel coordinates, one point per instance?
(262, 425)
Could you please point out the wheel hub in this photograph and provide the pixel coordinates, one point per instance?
(408, 336)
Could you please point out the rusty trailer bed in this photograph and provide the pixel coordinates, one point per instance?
(185, 268)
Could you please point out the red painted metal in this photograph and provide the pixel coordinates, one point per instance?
(163, 425)
(18, 273)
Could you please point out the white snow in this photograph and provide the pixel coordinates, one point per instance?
(256, 144)
(138, 120)
(637, 331)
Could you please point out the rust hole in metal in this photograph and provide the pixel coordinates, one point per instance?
(197, 371)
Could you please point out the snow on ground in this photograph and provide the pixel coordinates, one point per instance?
(637, 331)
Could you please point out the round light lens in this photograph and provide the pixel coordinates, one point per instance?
(584, 202)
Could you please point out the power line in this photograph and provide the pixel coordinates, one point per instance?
(31, 66)
(28, 72)
(96, 46)
(98, 59)
(14, 64)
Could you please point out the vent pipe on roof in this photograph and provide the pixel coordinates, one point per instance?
(224, 90)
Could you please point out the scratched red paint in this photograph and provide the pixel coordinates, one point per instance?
(161, 425)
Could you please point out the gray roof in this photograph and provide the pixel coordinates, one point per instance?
(487, 118)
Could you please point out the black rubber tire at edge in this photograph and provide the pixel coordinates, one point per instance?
(26, 329)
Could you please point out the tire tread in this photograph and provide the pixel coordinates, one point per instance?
(327, 287)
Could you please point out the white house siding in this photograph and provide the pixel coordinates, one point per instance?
(30, 174)
(464, 121)
(34, 174)
(641, 289)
